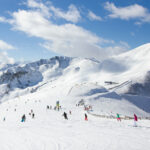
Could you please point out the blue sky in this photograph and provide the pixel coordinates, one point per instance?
(35, 29)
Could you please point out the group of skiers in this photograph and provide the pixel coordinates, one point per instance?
(23, 119)
(66, 116)
(31, 113)
(135, 119)
(57, 107)
(48, 107)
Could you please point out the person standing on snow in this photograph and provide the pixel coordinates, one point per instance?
(33, 115)
(50, 107)
(47, 107)
(135, 120)
(65, 115)
(118, 117)
(23, 119)
(4, 119)
(86, 119)
(70, 112)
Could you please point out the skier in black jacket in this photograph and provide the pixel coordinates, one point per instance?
(65, 115)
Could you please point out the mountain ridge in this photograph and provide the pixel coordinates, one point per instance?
(113, 77)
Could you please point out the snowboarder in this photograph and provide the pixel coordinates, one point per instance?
(86, 119)
(118, 117)
(23, 119)
(65, 115)
(135, 120)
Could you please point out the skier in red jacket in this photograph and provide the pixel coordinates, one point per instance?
(86, 119)
(135, 120)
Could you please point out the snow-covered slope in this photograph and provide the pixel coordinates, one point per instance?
(103, 84)
(118, 85)
(50, 131)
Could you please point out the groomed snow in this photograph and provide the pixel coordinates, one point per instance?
(49, 130)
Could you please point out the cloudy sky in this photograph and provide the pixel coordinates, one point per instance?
(35, 29)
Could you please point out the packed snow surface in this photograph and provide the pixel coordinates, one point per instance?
(49, 130)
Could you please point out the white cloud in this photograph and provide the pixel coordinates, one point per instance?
(2, 19)
(124, 44)
(93, 16)
(81, 49)
(65, 39)
(130, 12)
(40, 6)
(72, 14)
(5, 59)
(5, 46)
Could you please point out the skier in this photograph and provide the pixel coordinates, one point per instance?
(135, 120)
(65, 115)
(118, 117)
(50, 107)
(86, 119)
(23, 119)
(111, 116)
(33, 115)
(4, 119)
(70, 112)
(47, 107)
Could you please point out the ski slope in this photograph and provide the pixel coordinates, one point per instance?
(49, 130)
(71, 80)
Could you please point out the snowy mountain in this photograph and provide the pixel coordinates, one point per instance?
(118, 84)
